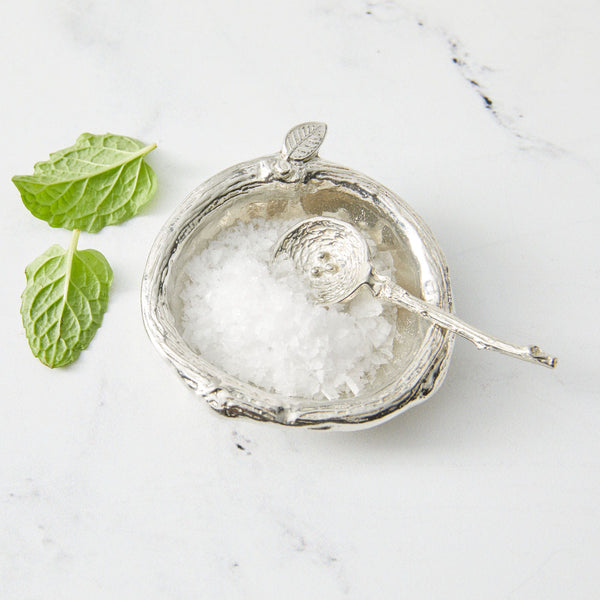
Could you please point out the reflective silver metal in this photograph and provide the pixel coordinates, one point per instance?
(296, 183)
(335, 259)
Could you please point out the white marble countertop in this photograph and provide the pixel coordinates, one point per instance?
(117, 482)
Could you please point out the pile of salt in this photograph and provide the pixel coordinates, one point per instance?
(260, 324)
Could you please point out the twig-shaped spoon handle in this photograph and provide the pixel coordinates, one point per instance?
(384, 288)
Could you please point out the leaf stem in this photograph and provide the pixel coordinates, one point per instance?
(70, 253)
(74, 240)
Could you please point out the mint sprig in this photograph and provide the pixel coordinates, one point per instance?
(101, 180)
(64, 301)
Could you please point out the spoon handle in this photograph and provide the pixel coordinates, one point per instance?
(385, 289)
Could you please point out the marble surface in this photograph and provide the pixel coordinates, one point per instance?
(116, 482)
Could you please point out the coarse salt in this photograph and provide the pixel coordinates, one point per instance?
(261, 325)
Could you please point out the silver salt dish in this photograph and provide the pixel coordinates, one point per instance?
(296, 184)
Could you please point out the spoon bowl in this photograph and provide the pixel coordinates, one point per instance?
(330, 253)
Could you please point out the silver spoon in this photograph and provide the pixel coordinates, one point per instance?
(335, 258)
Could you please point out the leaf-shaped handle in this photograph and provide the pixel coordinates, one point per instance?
(303, 141)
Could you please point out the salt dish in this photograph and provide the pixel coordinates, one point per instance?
(296, 184)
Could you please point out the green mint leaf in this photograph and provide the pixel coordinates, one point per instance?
(101, 180)
(63, 302)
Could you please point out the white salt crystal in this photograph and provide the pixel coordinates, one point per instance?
(257, 321)
(365, 305)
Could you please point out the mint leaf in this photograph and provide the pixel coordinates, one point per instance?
(63, 302)
(101, 180)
